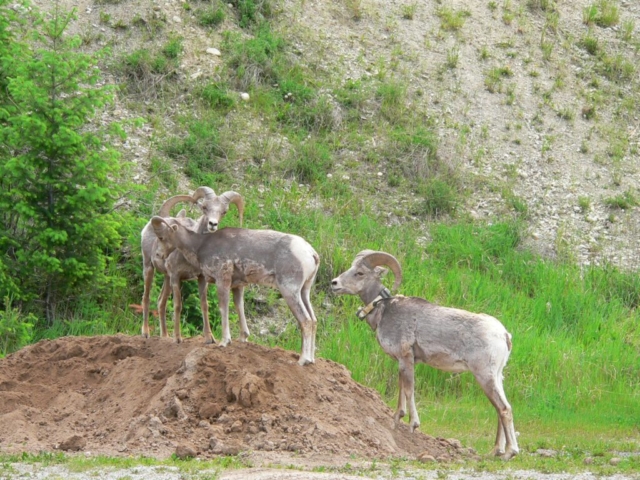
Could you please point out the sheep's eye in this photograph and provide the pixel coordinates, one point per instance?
(359, 274)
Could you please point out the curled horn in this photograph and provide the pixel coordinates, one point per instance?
(202, 192)
(169, 203)
(236, 199)
(375, 259)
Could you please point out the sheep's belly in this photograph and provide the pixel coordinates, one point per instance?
(246, 273)
(444, 362)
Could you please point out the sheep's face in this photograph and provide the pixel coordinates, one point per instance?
(358, 279)
(164, 230)
(213, 211)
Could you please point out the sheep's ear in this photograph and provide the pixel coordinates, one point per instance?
(157, 222)
(182, 213)
(174, 227)
(380, 271)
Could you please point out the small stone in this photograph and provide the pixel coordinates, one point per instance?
(210, 410)
(224, 418)
(75, 443)
(329, 175)
(455, 443)
(176, 19)
(185, 451)
(182, 394)
(244, 96)
(230, 450)
(213, 51)
(213, 442)
(236, 426)
(380, 174)
(546, 453)
(426, 458)
(615, 461)
(588, 461)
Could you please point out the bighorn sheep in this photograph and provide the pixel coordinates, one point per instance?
(412, 330)
(175, 267)
(234, 257)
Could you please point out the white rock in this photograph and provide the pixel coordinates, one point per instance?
(329, 175)
(379, 174)
(213, 51)
(244, 96)
(176, 19)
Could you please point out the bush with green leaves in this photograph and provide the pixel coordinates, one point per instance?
(58, 172)
(252, 12)
(16, 330)
(255, 61)
(211, 16)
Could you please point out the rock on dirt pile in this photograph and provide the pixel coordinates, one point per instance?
(120, 395)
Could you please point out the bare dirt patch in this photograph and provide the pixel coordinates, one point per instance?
(121, 395)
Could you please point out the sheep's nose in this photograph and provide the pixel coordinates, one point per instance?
(213, 226)
(334, 282)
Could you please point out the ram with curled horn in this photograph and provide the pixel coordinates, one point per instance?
(175, 267)
(412, 330)
(234, 257)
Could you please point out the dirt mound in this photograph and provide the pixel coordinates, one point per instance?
(127, 395)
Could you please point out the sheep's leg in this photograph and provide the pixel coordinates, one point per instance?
(204, 308)
(506, 445)
(294, 300)
(402, 402)
(238, 301)
(223, 305)
(306, 289)
(148, 272)
(162, 306)
(407, 378)
(177, 309)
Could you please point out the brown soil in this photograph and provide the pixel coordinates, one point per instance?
(121, 395)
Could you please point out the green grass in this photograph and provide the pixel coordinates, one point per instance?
(451, 19)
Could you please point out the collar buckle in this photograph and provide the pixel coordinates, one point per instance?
(364, 311)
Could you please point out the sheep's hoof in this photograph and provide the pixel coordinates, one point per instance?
(497, 452)
(398, 415)
(304, 361)
(244, 337)
(145, 334)
(509, 454)
(225, 342)
(414, 426)
(209, 341)
(178, 340)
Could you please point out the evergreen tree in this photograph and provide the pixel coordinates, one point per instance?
(58, 175)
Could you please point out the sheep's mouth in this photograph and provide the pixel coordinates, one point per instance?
(338, 290)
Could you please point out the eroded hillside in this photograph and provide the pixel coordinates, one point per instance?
(532, 105)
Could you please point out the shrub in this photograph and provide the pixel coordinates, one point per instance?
(216, 95)
(438, 198)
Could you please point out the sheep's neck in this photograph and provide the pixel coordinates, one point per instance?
(189, 244)
(369, 294)
(202, 226)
